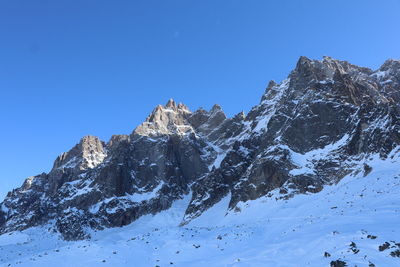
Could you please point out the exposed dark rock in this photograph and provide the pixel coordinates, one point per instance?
(353, 248)
(314, 128)
(338, 263)
(384, 246)
(395, 253)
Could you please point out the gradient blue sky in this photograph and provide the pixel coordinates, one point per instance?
(72, 68)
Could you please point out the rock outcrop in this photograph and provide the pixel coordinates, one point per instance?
(312, 129)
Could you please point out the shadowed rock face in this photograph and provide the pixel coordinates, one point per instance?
(312, 129)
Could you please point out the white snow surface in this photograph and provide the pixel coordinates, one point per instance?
(270, 106)
(138, 197)
(304, 161)
(265, 232)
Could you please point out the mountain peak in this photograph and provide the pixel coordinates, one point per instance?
(390, 64)
(183, 107)
(88, 139)
(168, 119)
(215, 108)
(88, 153)
(303, 60)
(313, 129)
(171, 104)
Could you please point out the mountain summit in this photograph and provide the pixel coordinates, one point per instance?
(325, 121)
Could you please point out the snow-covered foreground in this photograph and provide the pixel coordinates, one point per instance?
(348, 221)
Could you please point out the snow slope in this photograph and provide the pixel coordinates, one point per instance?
(270, 231)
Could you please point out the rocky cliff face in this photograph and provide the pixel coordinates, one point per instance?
(321, 123)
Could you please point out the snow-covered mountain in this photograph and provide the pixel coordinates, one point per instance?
(312, 168)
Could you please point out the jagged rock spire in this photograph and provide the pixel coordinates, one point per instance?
(215, 108)
(168, 119)
(87, 154)
(183, 107)
(90, 149)
(171, 104)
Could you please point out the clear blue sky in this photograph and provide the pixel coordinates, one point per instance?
(72, 68)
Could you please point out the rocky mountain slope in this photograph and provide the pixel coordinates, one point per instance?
(351, 223)
(324, 122)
